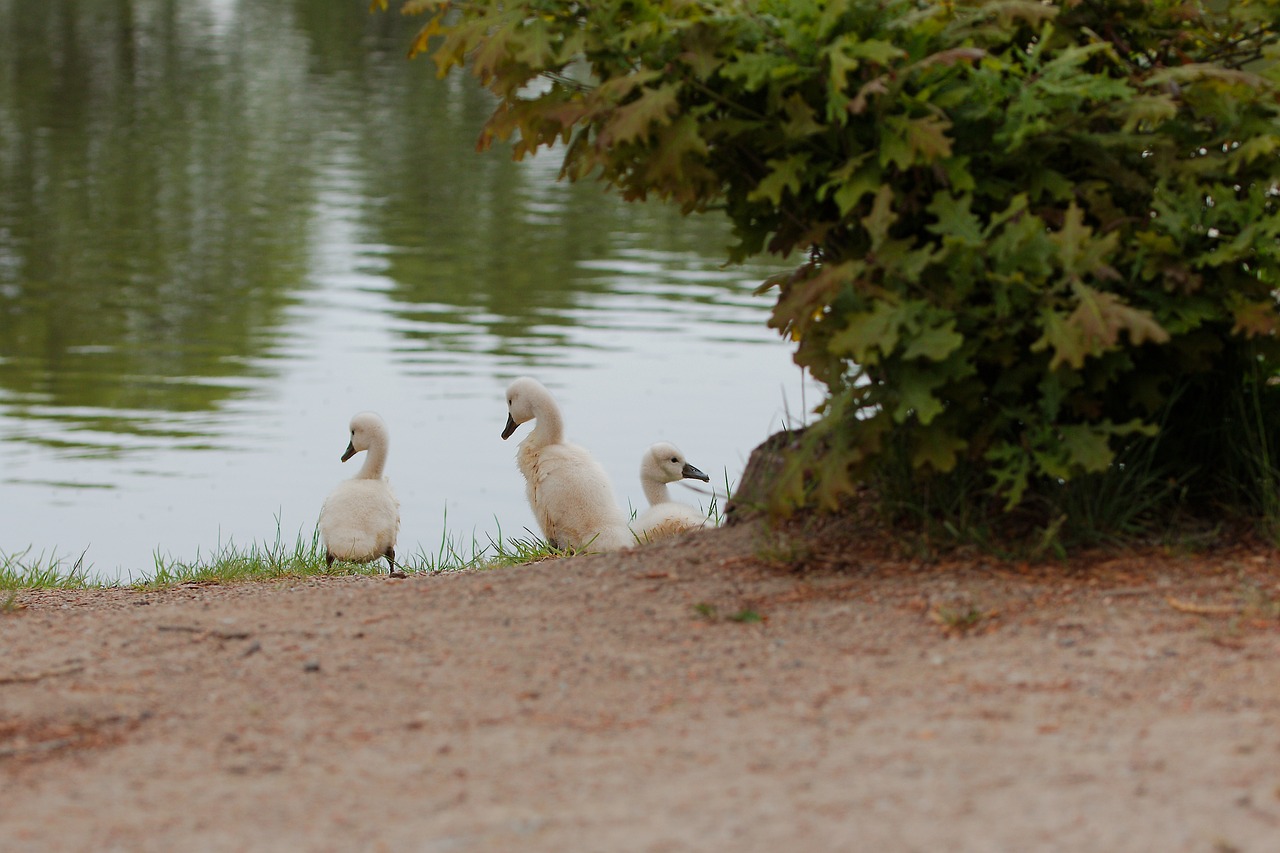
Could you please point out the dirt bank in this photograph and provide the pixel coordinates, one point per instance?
(735, 690)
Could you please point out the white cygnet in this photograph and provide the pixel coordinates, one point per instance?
(661, 464)
(568, 491)
(361, 517)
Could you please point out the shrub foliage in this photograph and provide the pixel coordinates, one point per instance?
(1028, 235)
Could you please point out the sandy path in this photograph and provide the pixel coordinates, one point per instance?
(588, 704)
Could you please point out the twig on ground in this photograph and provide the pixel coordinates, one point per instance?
(212, 632)
(1202, 609)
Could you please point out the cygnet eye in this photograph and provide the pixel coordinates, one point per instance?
(674, 459)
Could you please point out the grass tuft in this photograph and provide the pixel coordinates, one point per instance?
(519, 550)
(272, 559)
(264, 561)
(745, 615)
(23, 570)
(960, 619)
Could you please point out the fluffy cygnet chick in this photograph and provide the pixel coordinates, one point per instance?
(568, 491)
(360, 519)
(661, 464)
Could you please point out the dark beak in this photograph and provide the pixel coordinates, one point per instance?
(351, 451)
(510, 428)
(691, 473)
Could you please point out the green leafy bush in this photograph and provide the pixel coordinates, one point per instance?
(1029, 235)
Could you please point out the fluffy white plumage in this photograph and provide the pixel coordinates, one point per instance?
(568, 491)
(661, 464)
(361, 517)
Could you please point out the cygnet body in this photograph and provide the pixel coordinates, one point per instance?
(661, 464)
(568, 491)
(361, 517)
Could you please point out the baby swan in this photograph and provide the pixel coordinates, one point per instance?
(661, 464)
(361, 517)
(567, 489)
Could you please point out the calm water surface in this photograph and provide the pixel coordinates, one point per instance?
(225, 227)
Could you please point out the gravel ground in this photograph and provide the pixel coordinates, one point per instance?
(739, 689)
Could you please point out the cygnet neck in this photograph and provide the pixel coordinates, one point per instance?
(375, 460)
(655, 490)
(549, 426)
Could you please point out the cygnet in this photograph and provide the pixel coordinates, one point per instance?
(568, 491)
(661, 464)
(361, 517)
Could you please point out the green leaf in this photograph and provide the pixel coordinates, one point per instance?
(928, 139)
(1101, 317)
(753, 70)
(429, 30)
(1199, 72)
(1079, 252)
(1065, 339)
(881, 218)
(1147, 112)
(1253, 319)
(847, 53)
(784, 175)
(905, 142)
(636, 119)
(1253, 149)
(937, 448)
(801, 119)
(934, 343)
(869, 336)
(1010, 469)
(956, 222)
(895, 149)
(1087, 448)
(916, 394)
(535, 46)
(677, 156)
(1094, 327)
(617, 89)
(857, 179)
(873, 50)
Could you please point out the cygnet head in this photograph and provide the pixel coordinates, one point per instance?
(524, 397)
(667, 464)
(366, 429)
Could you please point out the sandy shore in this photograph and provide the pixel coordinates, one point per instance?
(734, 690)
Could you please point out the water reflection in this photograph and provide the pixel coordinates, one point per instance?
(154, 222)
(225, 227)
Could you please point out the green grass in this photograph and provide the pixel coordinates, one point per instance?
(961, 618)
(715, 511)
(711, 613)
(304, 557)
(258, 561)
(23, 570)
(519, 550)
(745, 615)
(272, 559)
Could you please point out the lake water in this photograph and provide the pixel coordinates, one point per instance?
(225, 227)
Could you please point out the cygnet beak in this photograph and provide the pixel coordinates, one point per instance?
(691, 473)
(510, 428)
(351, 451)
